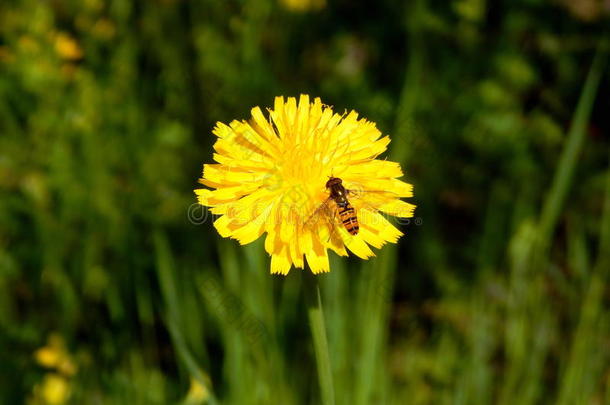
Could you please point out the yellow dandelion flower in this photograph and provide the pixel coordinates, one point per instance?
(308, 178)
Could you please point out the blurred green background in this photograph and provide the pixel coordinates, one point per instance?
(115, 289)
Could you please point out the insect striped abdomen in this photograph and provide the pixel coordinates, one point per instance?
(349, 219)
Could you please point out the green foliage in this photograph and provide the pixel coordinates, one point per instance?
(497, 293)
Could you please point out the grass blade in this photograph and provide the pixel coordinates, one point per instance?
(571, 151)
(320, 343)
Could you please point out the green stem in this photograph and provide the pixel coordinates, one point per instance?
(320, 342)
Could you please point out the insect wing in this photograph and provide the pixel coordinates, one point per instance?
(325, 216)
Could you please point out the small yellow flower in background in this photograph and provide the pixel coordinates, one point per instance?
(67, 47)
(55, 356)
(271, 177)
(55, 389)
(303, 5)
(197, 394)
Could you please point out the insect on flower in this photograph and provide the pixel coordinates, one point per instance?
(344, 209)
(347, 214)
(271, 177)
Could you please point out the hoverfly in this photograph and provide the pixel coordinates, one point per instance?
(347, 214)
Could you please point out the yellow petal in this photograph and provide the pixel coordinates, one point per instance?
(317, 258)
(247, 164)
(400, 188)
(277, 115)
(222, 195)
(232, 175)
(273, 244)
(378, 225)
(280, 264)
(223, 226)
(290, 112)
(356, 245)
(296, 253)
(365, 152)
(262, 126)
(372, 169)
(242, 142)
(371, 237)
(253, 229)
(398, 208)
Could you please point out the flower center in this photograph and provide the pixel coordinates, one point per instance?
(300, 176)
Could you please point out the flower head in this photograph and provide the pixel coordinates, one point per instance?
(271, 177)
